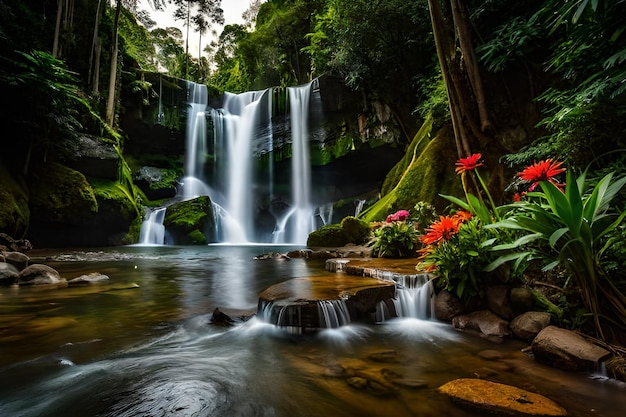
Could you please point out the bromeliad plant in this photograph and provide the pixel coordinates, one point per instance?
(573, 220)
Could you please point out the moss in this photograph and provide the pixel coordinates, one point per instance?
(356, 230)
(59, 193)
(14, 211)
(188, 222)
(331, 235)
(422, 175)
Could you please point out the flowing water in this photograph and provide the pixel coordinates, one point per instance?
(141, 344)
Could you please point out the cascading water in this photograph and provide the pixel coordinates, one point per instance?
(242, 132)
(299, 221)
(152, 230)
(414, 299)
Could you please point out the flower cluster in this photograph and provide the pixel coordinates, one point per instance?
(398, 216)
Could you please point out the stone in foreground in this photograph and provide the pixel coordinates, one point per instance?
(500, 399)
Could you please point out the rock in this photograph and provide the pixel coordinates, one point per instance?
(9, 274)
(156, 183)
(498, 301)
(191, 222)
(567, 350)
(521, 299)
(95, 157)
(21, 245)
(221, 318)
(447, 305)
(295, 304)
(500, 399)
(17, 259)
(485, 322)
(527, 325)
(39, 274)
(91, 278)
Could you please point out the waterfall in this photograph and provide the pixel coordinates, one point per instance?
(240, 187)
(152, 230)
(359, 206)
(333, 313)
(299, 221)
(414, 299)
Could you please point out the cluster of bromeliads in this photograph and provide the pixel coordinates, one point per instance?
(564, 225)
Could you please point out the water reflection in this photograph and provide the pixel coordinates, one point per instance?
(141, 345)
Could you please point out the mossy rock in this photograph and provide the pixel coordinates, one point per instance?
(191, 222)
(61, 194)
(331, 235)
(350, 230)
(14, 210)
(422, 176)
(118, 209)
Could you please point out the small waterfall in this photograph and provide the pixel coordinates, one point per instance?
(333, 314)
(152, 230)
(196, 147)
(414, 299)
(359, 206)
(326, 213)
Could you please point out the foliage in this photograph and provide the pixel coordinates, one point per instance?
(575, 223)
(459, 260)
(397, 239)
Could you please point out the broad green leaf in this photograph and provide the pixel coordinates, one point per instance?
(504, 259)
(557, 235)
(519, 242)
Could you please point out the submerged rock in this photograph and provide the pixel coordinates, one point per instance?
(39, 274)
(500, 399)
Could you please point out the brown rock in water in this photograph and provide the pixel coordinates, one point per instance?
(500, 399)
(221, 318)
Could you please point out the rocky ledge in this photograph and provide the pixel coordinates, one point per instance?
(312, 303)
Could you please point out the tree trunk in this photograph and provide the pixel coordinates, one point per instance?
(462, 24)
(110, 115)
(57, 29)
(95, 45)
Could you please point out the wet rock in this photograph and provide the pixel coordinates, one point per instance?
(484, 322)
(567, 350)
(17, 259)
(8, 274)
(9, 244)
(526, 326)
(521, 299)
(220, 318)
(39, 274)
(387, 356)
(447, 306)
(296, 303)
(335, 371)
(498, 301)
(500, 399)
(91, 278)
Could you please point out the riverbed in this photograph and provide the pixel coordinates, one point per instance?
(142, 344)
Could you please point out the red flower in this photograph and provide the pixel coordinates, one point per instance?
(541, 171)
(468, 164)
(463, 215)
(398, 216)
(442, 229)
(517, 198)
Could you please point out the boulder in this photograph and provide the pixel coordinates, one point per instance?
(499, 399)
(447, 306)
(191, 222)
(484, 322)
(567, 350)
(17, 259)
(9, 274)
(156, 183)
(498, 301)
(39, 274)
(527, 325)
(95, 157)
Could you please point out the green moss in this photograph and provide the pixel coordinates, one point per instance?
(422, 175)
(59, 193)
(189, 222)
(331, 235)
(357, 231)
(14, 211)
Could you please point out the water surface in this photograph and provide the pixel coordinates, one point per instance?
(141, 344)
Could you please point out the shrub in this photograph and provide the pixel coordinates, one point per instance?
(395, 240)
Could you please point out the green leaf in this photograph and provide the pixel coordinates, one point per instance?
(504, 259)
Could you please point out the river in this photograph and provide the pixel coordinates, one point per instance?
(141, 344)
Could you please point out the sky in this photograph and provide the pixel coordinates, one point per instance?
(233, 9)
